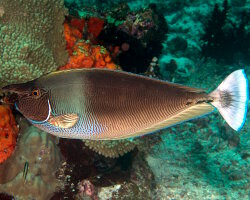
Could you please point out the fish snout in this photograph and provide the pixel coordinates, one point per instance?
(15, 88)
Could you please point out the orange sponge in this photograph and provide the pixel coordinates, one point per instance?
(86, 55)
(8, 132)
(83, 53)
(71, 34)
(95, 26)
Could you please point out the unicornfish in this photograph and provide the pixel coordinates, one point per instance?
(102, 104)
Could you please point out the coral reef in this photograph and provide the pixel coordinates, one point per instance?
(39, 151)
(86, 175)
(86, 190)
(118, 14)
(82, 9)
(81, 163)
(225, 39)
(112, 149)
(87, 29)
(31, 39)
(138, 37)
(140, 183)
(8, 133)
(83, 54)
(4, 196)
(72, 34)
(86, 55)
(153, 69)
(95, 26)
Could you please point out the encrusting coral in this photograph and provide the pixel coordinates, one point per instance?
(31, 39)
(111, 149)
(39, 151)
(95, 26)
(8, 132)
(84, 54)
(226, 38)
(138, 36)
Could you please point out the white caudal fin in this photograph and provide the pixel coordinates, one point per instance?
(231, 99)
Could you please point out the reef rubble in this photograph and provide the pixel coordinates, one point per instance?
(37, 150)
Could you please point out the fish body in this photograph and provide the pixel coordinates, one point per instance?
(102, 104)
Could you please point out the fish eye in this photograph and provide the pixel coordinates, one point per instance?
(35, 93)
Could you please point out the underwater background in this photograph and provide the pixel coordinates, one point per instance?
(194, 42)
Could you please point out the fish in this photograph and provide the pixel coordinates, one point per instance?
(25, 171)
(102, 104)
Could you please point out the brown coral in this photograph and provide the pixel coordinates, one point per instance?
(31, 39)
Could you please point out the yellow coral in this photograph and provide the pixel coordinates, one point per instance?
(112, 149)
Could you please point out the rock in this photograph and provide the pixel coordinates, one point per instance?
(177, 44)
(39, 150)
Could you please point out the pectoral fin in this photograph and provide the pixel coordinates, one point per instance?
(64, 121)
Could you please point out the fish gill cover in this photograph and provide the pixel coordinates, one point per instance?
(195, 43)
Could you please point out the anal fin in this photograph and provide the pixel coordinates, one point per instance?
(64, 121)
(190, 113)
